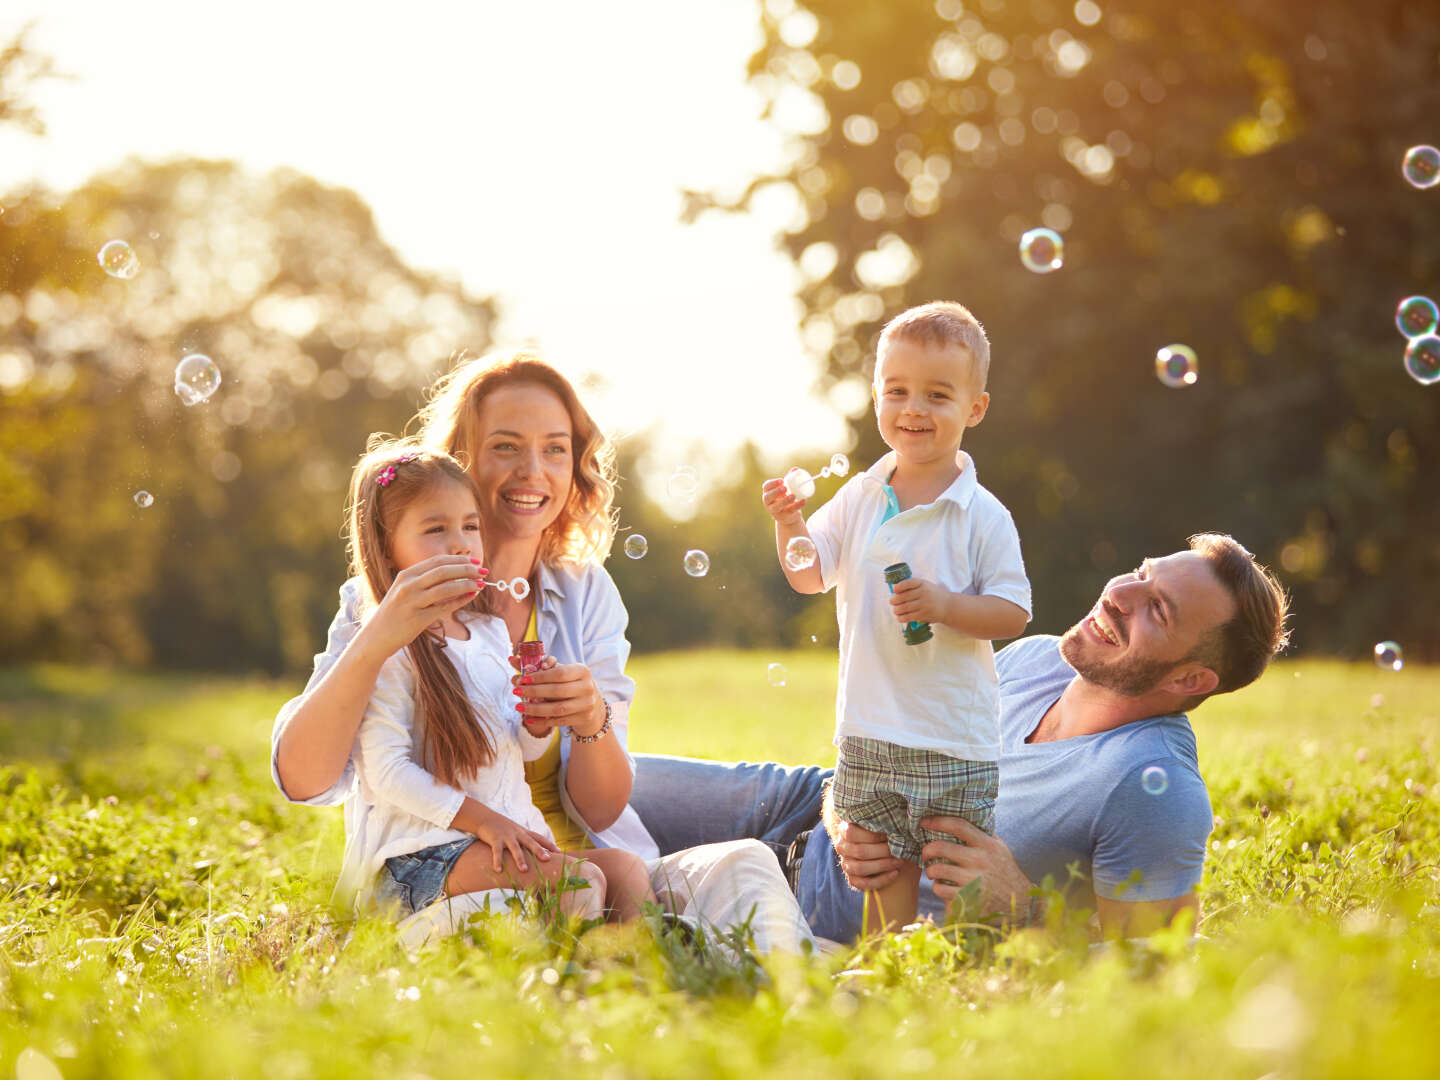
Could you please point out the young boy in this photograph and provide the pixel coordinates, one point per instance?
(916, 724)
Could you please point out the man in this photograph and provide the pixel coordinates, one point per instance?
(1098, 770)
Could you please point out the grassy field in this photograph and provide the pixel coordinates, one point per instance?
(164, 913)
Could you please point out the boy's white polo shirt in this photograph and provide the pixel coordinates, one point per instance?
(942, 694)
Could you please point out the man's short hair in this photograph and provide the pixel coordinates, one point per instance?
(1239, 650)
(942, 323)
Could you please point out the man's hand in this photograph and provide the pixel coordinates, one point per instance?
(914, 600)
(1004, 887)
(864, 855)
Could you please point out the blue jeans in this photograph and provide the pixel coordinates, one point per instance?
(685, 802)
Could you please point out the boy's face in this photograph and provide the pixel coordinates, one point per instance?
(925, 398)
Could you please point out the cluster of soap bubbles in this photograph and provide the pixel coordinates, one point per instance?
(1421, 166)
(1417, 318)
(1389, 655)
(1177, 366)
(1042, 250)
(801, 485)
(517, 587)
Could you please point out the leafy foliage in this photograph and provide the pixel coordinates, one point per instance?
(1227, 178)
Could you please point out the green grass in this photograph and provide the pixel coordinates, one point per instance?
(164, 913)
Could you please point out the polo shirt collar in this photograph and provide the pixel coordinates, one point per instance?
(961, 490)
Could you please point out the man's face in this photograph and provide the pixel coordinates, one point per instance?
(1146, 623)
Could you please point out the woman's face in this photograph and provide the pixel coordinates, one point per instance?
(524, 463)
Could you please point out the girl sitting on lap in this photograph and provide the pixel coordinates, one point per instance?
(441, 806)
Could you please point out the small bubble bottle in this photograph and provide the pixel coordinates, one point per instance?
(913, 632)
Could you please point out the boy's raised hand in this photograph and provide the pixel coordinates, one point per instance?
(782, 506)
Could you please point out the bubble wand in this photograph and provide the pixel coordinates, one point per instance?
(801, 485)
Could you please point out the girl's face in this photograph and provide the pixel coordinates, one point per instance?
(442, 520)
(524, 464)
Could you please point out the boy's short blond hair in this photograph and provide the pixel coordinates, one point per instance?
(941, 323)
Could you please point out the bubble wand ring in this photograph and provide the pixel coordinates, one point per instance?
(801, 485)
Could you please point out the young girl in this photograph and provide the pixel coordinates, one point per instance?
(441, 806)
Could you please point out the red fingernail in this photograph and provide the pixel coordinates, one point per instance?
(515, 690)
(520, 708)
(526, 681)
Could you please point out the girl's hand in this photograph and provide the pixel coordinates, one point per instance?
(423, 594)
(559, 695)
(504, 835)
(782, 506)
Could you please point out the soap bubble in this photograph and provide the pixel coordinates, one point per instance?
(519, 588)
(1422, 359)
(144, 500)
(775, 674)
(636, 546)
(1155, 780)
(1422, 166)
(683, 483)
(1042, 250)
(697, 563)
(196, 379)
(1177, 366)
(800, 553)
(119, 260)
(799, 483)
(1388, 654)
(839, 465)
(1417, 316)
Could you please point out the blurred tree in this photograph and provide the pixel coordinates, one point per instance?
(321, 334)
(1225, 176)
(21, 69)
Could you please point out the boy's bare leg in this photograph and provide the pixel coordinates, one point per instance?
(474, 872)
(899, 901)
(627, 881)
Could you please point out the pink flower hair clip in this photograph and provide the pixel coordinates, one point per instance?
(385, 475)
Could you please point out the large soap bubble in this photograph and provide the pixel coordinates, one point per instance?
(636, 546)
(1389, 655)
(144, 500)
(1422, 359)
(1177, 366)
(1421, 166)
(118, 259)
(800, 553)
(1042, 250)
(697, 563)
(1417, 316)
(196, 379)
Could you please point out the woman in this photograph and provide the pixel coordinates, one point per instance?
(546, 475)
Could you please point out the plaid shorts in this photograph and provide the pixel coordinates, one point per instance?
(888, 788)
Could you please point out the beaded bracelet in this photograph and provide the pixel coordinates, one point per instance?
(604, 729)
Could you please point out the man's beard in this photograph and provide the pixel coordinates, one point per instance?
(1134, 677)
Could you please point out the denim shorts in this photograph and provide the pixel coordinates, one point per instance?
(416, 880)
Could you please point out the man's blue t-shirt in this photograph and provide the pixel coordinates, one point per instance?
(1086, 802)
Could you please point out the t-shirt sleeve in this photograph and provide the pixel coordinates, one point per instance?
(999, 568)
(343, 629)
(1150, 836)
(827, 528)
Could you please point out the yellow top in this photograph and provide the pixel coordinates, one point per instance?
(543, 776)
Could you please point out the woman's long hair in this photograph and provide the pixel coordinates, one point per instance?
(449, 421)
(453, 744)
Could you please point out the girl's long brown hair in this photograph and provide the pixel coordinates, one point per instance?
(454, 744)
(585, 528)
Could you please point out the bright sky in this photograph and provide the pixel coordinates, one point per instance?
(537, 149)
